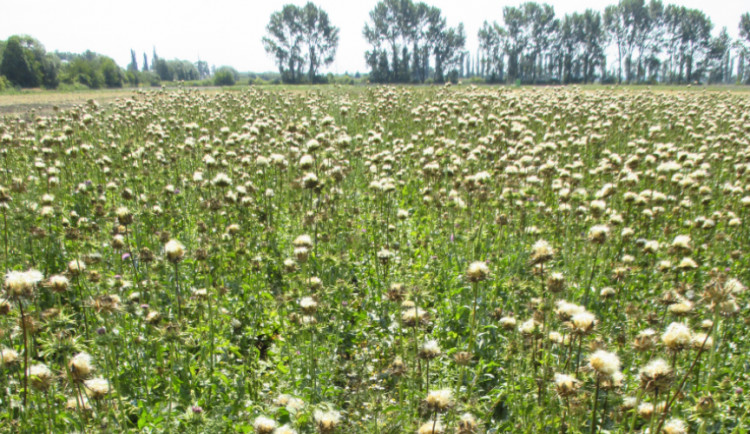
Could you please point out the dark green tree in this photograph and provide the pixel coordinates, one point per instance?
(719, 58)
(202, 67)
(743, 49)
(16, 65)
(284, 42)
(447, 49)
(163, 69)
(133, 66)
(225, 76)
(518, 38)
(408, 39)
(492, 45)
(301, 38)
(320, 38)
(113, 76)
(541, 28)
(688, 32)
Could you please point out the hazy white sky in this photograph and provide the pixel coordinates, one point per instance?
(229, 32)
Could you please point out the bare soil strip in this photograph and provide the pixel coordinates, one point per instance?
(42, 102)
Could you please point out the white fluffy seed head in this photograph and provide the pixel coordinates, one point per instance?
(174, 250)
(604, 363)
(439, 400)
(326, 420)
(80, 366)
(97, 387)
(677, 336)
(675, 426)
(264, 425)
(431, 428)
(477, 271)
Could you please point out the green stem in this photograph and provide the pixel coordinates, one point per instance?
(177, 290)
(596, 402)
(472, 337)
(635, 411)
(25, 356)
(5, 238)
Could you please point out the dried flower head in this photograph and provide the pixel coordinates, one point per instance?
(264, 425)
(308, 305)
(541, 252)
(124, 216)
(656, 375)
(566, 385)
(75, 404)
(462, 358)
(556, 282)
(675, 426)
(477, 272)
(326, 421)
(40, 376)
(97, 387)
(398, 367)
(385, 256)
(303, 241)
(174, 250)
(22, 283)
(439, 400)
(645, 340)
(8, 357)
(604, 363)
(530, 327)
(285, 429)
(413, 316)
(677, 337)
(58, 283)
(646, 410)
(508, 322)
(687, 264)
(430, 349)
(431, 428)
(701, 341)
(467, 424)
(598, 234)
(583, 322)
(682, 243)
(80, 367)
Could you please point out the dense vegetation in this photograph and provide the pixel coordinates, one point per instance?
(380, 260)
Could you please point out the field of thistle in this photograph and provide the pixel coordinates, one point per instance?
(378, 260)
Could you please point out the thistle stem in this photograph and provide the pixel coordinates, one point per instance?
(25, 355)
(596, 402)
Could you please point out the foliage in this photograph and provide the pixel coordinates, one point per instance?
(91, 69)
(25, 63)
(653, 43)
(225, 76)
(299, 38)
(409, 40)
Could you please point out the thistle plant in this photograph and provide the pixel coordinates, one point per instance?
(569, 259)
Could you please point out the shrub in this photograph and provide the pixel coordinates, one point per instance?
(225, 76)
(4, 83)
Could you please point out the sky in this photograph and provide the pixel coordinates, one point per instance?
(229, 32)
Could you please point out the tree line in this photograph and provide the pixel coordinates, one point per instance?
(652, 43)
(633, 41)
(411, 43)
(25, 63)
